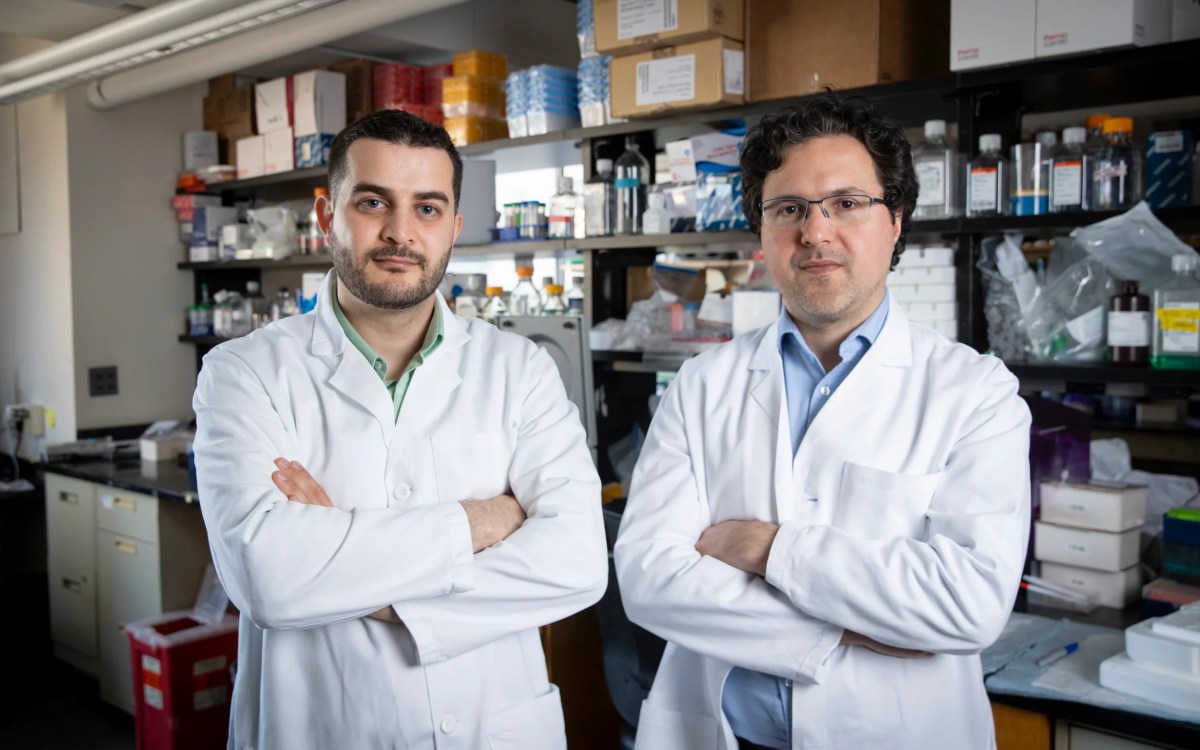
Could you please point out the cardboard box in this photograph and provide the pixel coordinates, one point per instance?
(313, 150)
(273, 105)
(208, 220)
(1094, 505)
(985, 33)
(1169, 169)
(721, 149)
(237, 114)
(627, 26)
(690, 76)
(1068, 26)
(318, 102)
(1095, 550)
(359, 87)
(199, 150)
(279, 151)
(1185, 20)
(1108, 589)
(250, 155)
(849, 44)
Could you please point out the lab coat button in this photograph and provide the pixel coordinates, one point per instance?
(448, 724)
(824, 390)
(402, 492)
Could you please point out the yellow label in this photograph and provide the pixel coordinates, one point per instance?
(1179, 318)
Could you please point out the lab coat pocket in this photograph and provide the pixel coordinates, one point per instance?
(472, 466)
(533, 725)
(660, 727)
(878, 504)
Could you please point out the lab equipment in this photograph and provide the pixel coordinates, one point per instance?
(495, 307)
(1176, 344)
(1117, 176)
(656, 220)
(561, 212)
(600, 200)
(1058, 654)
(554, 304)
(1068, 169)
(525, 298)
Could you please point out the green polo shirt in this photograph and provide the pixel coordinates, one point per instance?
(398, 387)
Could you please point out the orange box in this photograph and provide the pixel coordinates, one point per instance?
(479, 63)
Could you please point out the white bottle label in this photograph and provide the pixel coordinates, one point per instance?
(643, 17)
(983, 189)
(1180, 333)
(1129, 328)
(1068, 183)
(735, 71)
(671, 79)
(932, 177)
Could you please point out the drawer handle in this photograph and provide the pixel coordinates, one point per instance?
(124, 503)
(128, 548)
(70, 584)
(68, 497)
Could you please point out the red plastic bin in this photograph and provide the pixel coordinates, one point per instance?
(182, 681)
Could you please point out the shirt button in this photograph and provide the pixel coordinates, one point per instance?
(824, 390)
(402, 492)
(448, 724)
(788, 683)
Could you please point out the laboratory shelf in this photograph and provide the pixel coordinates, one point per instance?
(1102, 373)
(660, 240)
(621, 360)
(1179, 218)
(519, 247)
(294, 261)
(312, 174)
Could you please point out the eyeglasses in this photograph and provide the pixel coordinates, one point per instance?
(790, 212)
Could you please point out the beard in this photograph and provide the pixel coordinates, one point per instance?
(388, 296)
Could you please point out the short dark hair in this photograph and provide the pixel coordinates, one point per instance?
(393, 126)
(829, 114)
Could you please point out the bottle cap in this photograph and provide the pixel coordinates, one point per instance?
(1129, 287)
(1094, 121)
(566, 185)
(604, 165)
(525, 272)
(989, 142)
(1185, 262)
(657, 200)
(1074, 134)
(935, 128)
(554, 289)
(1047, 138)
(252, 287)
(495, 291)
(319, 191)
(1118, 125)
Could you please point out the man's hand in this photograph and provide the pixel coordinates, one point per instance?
(492, 520)
(743, 544)
(294, 481)
(850, 638)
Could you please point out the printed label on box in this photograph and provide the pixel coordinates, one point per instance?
(152, 682)
(210, 697)
(669, 80)
(735, 71)
(204, 666)
(644, 17)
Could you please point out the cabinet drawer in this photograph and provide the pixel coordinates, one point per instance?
(129, 589)
(71, 521)
(73, 607)
(127, 513)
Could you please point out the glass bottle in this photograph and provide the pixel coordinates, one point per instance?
(314, 238)
(576, 296)
(632, 172)
(1129, 327)
(1176, 343)
(495, 307)
(1117, 176)
(987, 179)
(1093, 145)
(1068, 165)
(561, 212)
(599, 199)
(554, 300)
(284, 305)
(525, 299)
(936, 164)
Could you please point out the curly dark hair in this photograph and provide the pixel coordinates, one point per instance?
(828, 114)
(393, 126)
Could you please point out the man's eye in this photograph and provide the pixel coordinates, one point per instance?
(847, 204)
(428, 210)
(370, 203)
(786, 210)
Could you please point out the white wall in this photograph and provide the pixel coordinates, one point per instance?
(129, 296)
(37, 361)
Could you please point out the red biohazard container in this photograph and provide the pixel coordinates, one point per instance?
(182, 680)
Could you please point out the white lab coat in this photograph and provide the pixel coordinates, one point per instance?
(486, 412)
(904, 517)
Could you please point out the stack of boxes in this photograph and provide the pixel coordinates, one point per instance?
(435, 77)
(593, 93)
(671, 56)
(1180, 581)
(296, 118)
(1161, 661)
(540, 100)
(1088, 539)
(360, 91)
(924, 286)
(473, 98)
(400, 86)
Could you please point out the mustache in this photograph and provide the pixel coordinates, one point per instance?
(396, 251)
(800, 260)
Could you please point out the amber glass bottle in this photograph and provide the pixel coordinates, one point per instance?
(1129, 327)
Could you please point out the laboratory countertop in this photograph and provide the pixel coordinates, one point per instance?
(165, 480)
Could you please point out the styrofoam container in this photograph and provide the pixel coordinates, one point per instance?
(1094, 505)
(1097, 550)
(1151, 682)
(922, 292)
(919, 275)
(921, 257)
(925, 312)
(1110, 589)
(1184, 624)
(1146, 646)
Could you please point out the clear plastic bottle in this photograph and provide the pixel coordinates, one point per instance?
(632, 172)
(554, 300)
(1117, 176)
(1176, 344)
(987, 179)
(655, 219)
(496, 307)
(1068, 166)
(314, 239)
(469, 302)
(576, 296)
(284, 305)
(1093, 145)
(936, 164)
(260, 308)
(525, 298)
(561, 212)
(599, 199)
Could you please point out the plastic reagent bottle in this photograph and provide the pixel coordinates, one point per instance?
(987, 179)
(936, 164)
(1092, 147)
(632, 172)
(525, 298)
(576, 297)
(656, 220)
(1176, 343)
(1068, 166)
(495, 308)
(561, 212)
(599, 198)
(554, 300)
(1117, 176)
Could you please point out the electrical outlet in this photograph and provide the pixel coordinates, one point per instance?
(30, 417)
(102, 381)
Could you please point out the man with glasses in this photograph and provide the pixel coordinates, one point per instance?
(829, 518)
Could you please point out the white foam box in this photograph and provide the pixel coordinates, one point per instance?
(279, 151)
(199, 149)
(918, 275)
(1108, 589)
(273, 105)
(1183, 624)
(1185, 20)
(923, 257)
(1103, 506)
(928, 312)
(754, 308)
(318, 102)
(250, 153)
(1097, 550)
(985, 33)
(164, 448)
(714, 148)
(1069, 26)
(923, 292)
(1146, 646)
(1150, 682)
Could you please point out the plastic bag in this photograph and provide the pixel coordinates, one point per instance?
(1008, 292)
(1133, 246)
(272, 231)
(1066, 321)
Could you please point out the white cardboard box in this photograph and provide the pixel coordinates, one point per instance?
(715, 148)
(920, 275)
(926, 312)
(199, 149)
(1185, 20)
(986, 32)
(1097, 550)
(1109, 589)
(1094, 505)
(164, 448)
(279, 151)
(1150, 682)
(1069, 26)
(273, 104)
(1145, 645)
(922, 293)
(923, 257)
(250, 153)
(318, 102)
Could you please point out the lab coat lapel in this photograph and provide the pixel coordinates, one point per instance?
(435, 382)
(766, 373)
(766, 390)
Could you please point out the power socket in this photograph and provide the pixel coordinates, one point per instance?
(31, 417)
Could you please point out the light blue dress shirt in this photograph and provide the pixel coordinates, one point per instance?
(759, 705)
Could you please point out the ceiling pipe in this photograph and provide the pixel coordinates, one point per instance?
(281, 38)
(199, 33)
(116, 34)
